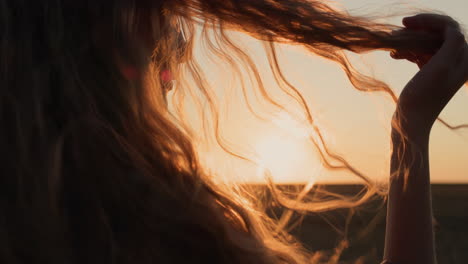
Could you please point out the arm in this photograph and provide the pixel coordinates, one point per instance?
(409, 234)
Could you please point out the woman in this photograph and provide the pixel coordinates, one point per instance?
(96, 170)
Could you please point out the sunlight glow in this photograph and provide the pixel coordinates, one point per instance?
(294, 127)
(285, 152)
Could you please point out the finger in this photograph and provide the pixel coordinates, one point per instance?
(423, 60)
(404, 55)
(398, 55)
(412, 23)
(430, 22)
(419, 59)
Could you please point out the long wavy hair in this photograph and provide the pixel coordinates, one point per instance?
(97, 169)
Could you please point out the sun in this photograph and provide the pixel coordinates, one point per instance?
(285, 151)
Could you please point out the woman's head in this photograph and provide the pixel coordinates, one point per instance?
(97, 170)
(86, 150)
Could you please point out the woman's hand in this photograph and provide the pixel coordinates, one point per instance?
(441, 74)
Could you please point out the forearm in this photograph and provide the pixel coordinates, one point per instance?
(409, 234)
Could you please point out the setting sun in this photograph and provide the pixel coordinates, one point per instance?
(285, 152)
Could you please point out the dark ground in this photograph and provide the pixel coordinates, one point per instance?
(366, 227)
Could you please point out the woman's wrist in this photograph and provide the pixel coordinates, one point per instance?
(412, 128)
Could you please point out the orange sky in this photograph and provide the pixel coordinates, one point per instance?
(355, 124)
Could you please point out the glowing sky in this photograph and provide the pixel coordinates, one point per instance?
(356, 124)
